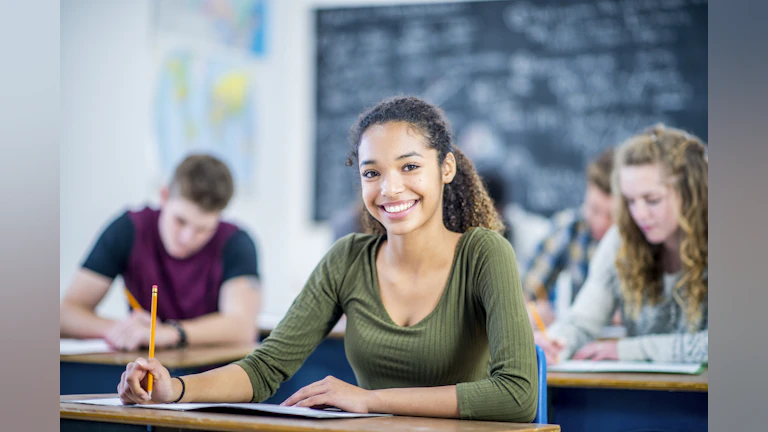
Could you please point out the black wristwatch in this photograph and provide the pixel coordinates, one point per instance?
(182, 334)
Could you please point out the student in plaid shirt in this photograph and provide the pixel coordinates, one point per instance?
(572, 240)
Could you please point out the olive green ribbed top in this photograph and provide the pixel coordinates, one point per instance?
(477, 337)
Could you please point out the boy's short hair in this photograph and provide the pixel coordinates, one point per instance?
(599, 171)
(204, 180)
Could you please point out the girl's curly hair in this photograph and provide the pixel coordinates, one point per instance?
(684, 163)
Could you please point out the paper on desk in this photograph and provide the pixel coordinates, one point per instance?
(83, 346)
(624, 366)
(258, 407)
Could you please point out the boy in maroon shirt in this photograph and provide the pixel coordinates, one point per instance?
(206, 269)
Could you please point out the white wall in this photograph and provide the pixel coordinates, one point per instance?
(105, 125)
(107, 147)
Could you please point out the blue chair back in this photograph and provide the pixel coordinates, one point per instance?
(541, 362)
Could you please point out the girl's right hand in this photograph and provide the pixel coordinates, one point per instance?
(552, 348)
(133, 383)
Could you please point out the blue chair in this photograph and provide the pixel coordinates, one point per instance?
(541, 362)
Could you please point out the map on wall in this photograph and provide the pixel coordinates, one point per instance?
(234, 23)
(204, 81)
(204, 104)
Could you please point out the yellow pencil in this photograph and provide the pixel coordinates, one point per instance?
(132, 301)
(537, 318)
(152, 337)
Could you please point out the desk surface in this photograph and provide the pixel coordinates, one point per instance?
(243, 422)
(172, 359)
(631, 381)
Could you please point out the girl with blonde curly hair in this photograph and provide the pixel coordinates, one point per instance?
(652, 264)
(436, 321)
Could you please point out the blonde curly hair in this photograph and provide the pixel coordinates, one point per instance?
(684, 163)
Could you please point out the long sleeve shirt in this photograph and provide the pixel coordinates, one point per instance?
(478, 337)
(659, 333)
(568, 246)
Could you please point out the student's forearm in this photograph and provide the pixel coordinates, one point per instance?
(77, 321)
(225, 384)
(420, 401)
(685, 347)
(216, 328)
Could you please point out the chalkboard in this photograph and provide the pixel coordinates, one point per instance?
(533, 89)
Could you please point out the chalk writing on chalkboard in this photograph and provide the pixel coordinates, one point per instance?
(533, 90)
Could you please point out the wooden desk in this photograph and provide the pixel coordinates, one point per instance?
(631, 381)
(618, 402)
(171, 358)
(78, 417)
(100, 373)
(610, 402)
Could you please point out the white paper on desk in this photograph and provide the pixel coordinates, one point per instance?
(624, 366)
(258, 407)
(83, 346)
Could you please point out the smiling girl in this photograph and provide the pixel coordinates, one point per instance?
(436, 321)
(653, 264)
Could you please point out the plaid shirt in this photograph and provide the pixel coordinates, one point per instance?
(568, 245)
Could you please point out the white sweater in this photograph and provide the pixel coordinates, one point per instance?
(659, 333)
